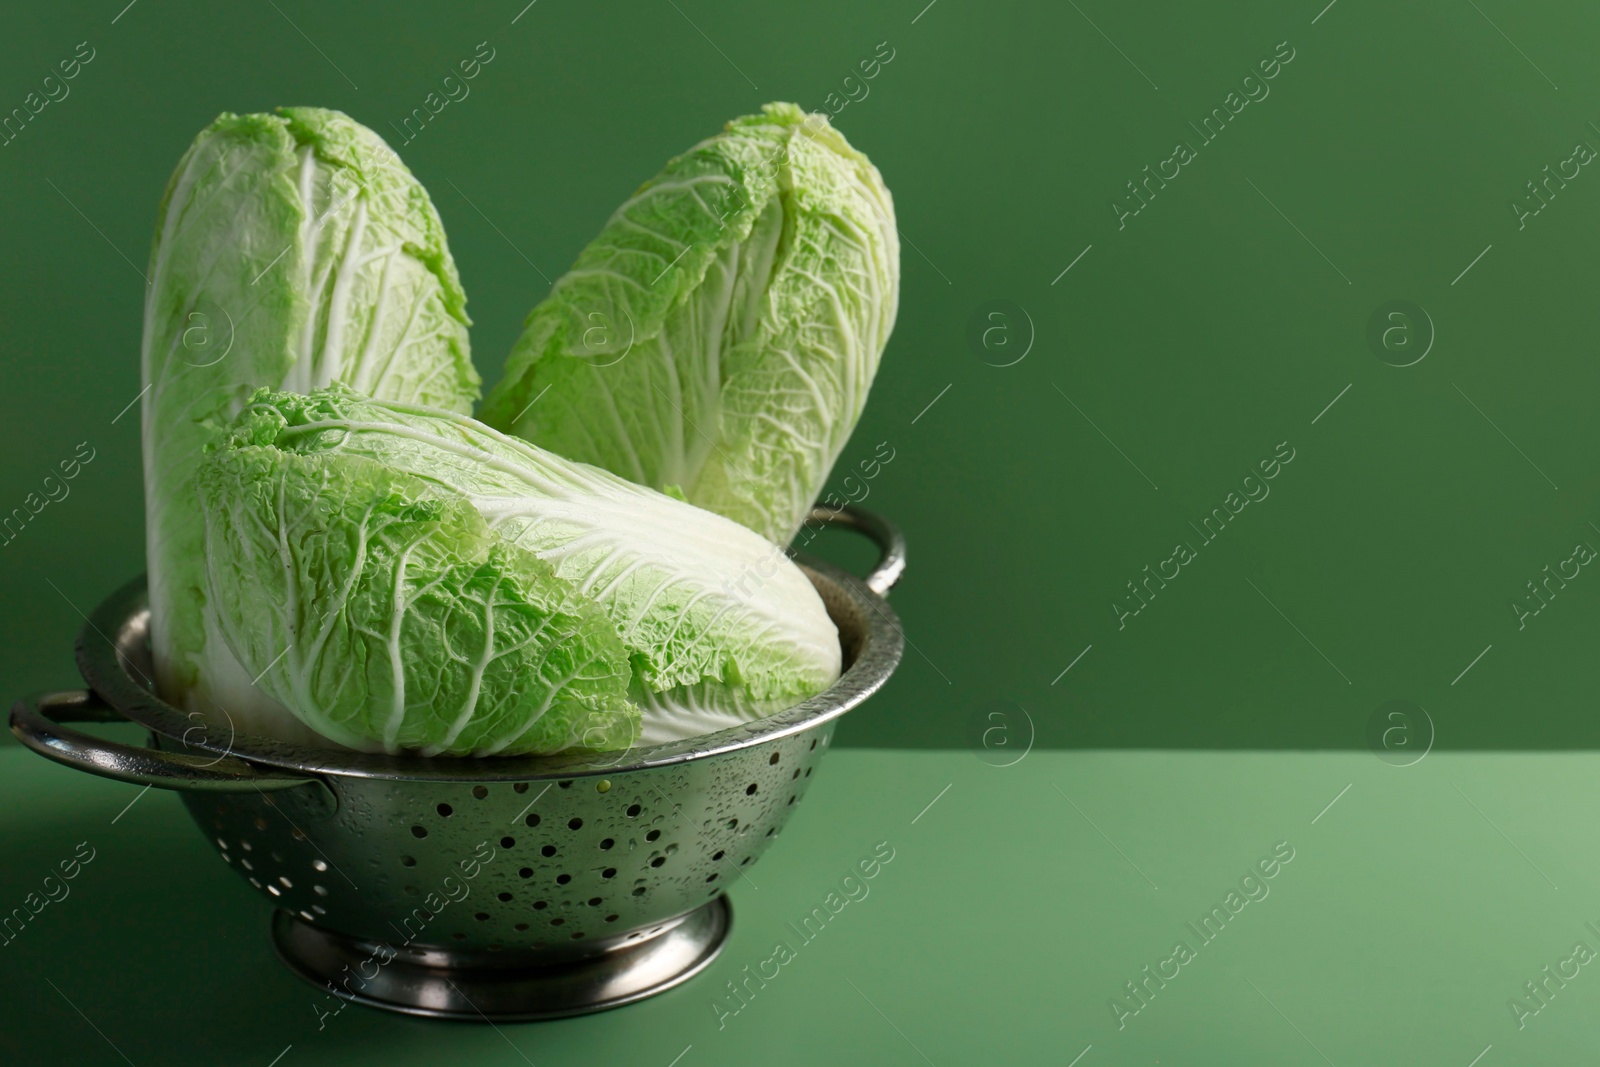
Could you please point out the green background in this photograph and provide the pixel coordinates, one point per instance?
(1179, 350)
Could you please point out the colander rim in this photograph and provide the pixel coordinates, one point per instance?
(114, 639)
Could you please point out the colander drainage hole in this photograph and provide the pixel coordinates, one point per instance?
(520, 787)
(481, 916)
(774, 759)
(578, 936)
(540, 905)
(563, 879)
(633, 812)
(712, 877)
(520, 927)
(733, 824)
(611, 918)
(606, 844)
(526, 872)
(813, 745)
(446, 810)
(504, 898)
(717, 855)
(418, 832)
(508, 842)
(532, 820)
(557, 921)
(658, 861)
(480, 791)
(653, 835)
(750, 790)
(594, 902)
(609, 872)
(638, 891)
(548, 851)
(574, 824)
(405, 861)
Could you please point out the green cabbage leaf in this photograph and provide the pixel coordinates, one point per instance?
(721, 333)
(291, 250)
(407, 579)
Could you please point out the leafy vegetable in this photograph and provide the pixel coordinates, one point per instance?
(416, 564)
(388, 616)
(721, 333)
(291, 250)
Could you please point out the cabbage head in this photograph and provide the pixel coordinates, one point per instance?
(722, 331)
(291, 250)
(408, 579)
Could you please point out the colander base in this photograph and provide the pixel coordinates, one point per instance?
(486, 987)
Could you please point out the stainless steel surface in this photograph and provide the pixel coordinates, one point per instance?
(503, 986)
(890, 541)
(37, 721)
(581, 880)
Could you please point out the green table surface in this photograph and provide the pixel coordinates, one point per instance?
(1019, 902)
(1426, 544)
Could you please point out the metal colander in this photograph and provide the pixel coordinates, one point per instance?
(500, 888)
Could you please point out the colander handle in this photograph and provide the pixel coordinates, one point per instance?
(37, 720)
(880, 531)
